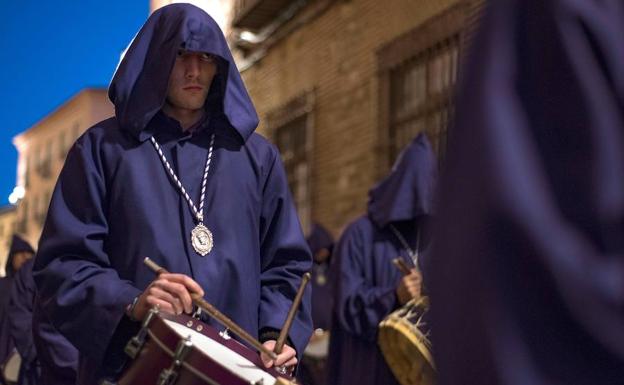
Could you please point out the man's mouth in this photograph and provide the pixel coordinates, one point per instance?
(193, 88)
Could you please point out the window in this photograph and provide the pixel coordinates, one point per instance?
(27, 162)
(62, 148)
(418, 72)
(45, 156)
(420, 94)
(75, 132)
(21, 226)
(291, 129)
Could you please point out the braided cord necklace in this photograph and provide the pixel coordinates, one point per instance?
(201, 237)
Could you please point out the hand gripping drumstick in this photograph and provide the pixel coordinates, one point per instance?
(401, 265)
(279, 345)
(216, 314)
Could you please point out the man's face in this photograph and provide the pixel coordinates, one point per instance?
(20, 258)
(190, 80)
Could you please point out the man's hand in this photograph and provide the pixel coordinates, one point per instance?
(171, 292)
(287, 358)
(409, 287)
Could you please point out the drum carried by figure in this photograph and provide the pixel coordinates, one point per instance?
(182, 350)
(404, 336)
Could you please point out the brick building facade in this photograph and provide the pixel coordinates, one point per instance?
(342, 86)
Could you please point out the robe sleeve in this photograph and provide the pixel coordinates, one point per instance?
(285, 258)
(80, 292)
(359, 304)
(20, 313)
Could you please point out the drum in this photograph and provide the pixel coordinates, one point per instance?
(10, 369)
(404, 341)
(182, 350)
(318, 347)
(312, 370)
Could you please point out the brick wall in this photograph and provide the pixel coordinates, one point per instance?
(334, 54)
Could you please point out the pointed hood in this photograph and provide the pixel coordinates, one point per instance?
(407, 192)
(139, 87)
(319, 238)
(18, 244)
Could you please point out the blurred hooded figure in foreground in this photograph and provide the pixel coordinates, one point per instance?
(527, 277)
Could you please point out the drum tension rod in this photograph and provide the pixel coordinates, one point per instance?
(134, 346)
(170, 375)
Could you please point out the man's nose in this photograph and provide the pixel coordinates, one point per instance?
(192, 67)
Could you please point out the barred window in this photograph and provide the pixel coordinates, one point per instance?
(420, 96)
(290, 127)
(62, 148)
(291, 140)
(418, 72)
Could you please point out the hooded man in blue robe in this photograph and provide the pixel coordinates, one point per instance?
(22, 296)
(19, 253)
(177, 175)
(313, 365)
(47, 357)
(527, 277)
(368, 285)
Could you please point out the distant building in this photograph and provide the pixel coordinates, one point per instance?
(41, 154)
(7, 228)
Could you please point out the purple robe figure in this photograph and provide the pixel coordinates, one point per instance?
(527, 271)
(115, 203)
(19, 252)
(20, 323)
(47, 357)
(321, 244)
(366, 279)
(312, 370)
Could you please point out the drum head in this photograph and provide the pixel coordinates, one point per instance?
(11, 368)
(403, 339)
(318, 347)
(226, 357)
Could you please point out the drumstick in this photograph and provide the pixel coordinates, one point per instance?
(216, 314)
(401, 265)
(279, 345)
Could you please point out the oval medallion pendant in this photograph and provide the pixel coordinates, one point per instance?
(201, 239)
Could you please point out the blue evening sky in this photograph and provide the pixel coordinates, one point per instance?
(50, 50)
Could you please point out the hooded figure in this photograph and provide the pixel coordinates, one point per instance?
(117, 201)
(19, 252)
(22, 296)
(321, 244)
(313, 365)
(47, 357)
(367, 283)
(527, 278)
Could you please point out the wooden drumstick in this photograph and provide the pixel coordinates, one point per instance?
(279, 345)
(216, 314)
(401, 265)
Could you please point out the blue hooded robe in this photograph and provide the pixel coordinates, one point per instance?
(20, 322)
(318, 240)
(47, 357)
(527, 278)
(366, 279)
(313, 371)
(7, 344)
(115, 204)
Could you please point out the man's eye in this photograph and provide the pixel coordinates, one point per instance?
(207, 57)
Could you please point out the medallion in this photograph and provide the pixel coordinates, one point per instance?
(201, 239)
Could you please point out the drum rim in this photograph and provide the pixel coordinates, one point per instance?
(232, 344)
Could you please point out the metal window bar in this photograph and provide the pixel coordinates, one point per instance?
(421, 89)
